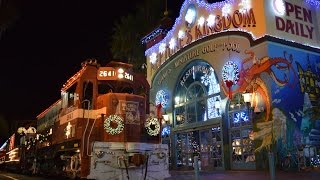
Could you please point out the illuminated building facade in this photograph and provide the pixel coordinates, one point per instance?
(235, 76)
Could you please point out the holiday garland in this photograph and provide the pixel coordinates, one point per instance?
(152, 121)
(117, 119)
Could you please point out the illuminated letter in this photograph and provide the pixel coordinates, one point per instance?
(298, 12)
(197, 33)
(310, 30)
(234, 19)
(218, 24)
(289, 26)
(280, 23)
(249, 18)
(289, 8)
(189, 37)
(226, 25)
(307, 15)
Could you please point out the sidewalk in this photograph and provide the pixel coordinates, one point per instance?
(244, 175)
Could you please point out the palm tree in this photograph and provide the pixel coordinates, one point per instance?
(128, 32)
(8, 14)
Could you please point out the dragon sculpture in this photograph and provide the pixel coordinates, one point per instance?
(250, 72)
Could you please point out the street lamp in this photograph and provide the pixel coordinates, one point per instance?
(144, 66)
(247, 99)
(165, 117)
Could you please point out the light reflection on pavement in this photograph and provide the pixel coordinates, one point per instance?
(13, 176)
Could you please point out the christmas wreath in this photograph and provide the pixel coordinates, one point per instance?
(153, 126)
(115, 119)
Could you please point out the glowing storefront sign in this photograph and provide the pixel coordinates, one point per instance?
(110, 73)
(291, 20)
(297, 20)
(199, 20)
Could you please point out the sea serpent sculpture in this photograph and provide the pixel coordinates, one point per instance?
(250, 76)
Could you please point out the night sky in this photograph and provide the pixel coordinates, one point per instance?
(46, 45)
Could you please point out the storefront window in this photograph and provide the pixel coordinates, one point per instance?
(191, 113)
(216, 153)
(201, 110)
(242, 146)
(197, 95)
(206, 144)
(180, 115)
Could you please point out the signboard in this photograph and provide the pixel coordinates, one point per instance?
(107, 73)
(111, 73)
(199, 19)
(131, 111)
(293, 20)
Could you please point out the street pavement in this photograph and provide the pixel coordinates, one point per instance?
(217, 175)
(244, 175)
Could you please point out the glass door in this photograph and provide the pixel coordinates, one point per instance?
(187, 148)
(205, 150)
(217, 144)
(242, 147)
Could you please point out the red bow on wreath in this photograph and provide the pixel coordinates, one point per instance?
(229, 83)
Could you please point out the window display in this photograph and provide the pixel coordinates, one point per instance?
(198, 93)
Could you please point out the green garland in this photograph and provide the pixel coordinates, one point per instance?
(117, 119)
(152, 121)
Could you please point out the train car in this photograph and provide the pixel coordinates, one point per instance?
(101, 127)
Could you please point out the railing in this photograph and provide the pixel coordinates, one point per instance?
(67, 110)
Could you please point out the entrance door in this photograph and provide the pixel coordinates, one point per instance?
(217, 144)
(242, 147)
(187, 146)
(205, 150)
(211, 155)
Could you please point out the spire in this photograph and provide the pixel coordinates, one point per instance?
(166, 21)
(166, 13)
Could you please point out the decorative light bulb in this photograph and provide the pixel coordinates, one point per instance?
(211, 20)
(201, 21)
(153, 58)
(162, 47)
(226, 9)
(181, 34)
(278, 7)
(190, 15)
(172, 43)
(244, 6)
